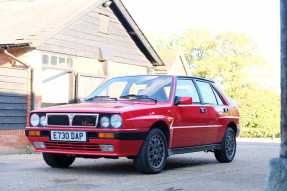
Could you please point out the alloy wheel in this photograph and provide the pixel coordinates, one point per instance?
(230, 144)
(156, 151)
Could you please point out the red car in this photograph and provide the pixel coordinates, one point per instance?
(145, 118)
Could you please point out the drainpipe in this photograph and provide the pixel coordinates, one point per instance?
(30, 70)
(16, 59)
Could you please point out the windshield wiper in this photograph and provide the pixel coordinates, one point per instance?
(101, 98)
(138, 97)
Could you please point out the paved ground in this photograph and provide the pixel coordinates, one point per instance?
(198, 172)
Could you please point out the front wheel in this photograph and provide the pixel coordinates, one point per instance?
(58, 160)
(153, 155)
(228, 147)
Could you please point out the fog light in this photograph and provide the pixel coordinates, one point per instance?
(107, 148)
(39, 145)
(106, 135)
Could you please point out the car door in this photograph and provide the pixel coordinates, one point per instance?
(212, 112)
(188, 119)
(223, 112)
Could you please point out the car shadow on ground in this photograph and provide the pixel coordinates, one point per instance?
(125, 167)
(185, 162)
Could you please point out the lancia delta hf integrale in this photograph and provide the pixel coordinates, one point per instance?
(144, 118)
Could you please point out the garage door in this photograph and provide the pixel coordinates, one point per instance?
(13, 98)
(87, 84)
(55, 80)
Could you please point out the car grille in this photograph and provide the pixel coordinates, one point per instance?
(85, 120)
(62, 120)
(73, 119)
(72, 146)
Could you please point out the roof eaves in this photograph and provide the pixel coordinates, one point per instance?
(14, 45)
(135, 32)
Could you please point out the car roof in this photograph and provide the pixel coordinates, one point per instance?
(195, 77)
(174, 76)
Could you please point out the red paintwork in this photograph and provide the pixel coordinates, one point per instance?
(186, 124)
(185, 100)
(122, 148)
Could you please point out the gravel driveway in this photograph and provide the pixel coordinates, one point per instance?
(197, 171)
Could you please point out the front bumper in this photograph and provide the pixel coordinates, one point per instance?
(125, 143)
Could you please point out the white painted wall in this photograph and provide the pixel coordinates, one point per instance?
(119, 69)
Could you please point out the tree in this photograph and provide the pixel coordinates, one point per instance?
(227, 59)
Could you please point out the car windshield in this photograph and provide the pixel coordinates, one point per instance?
(149, 88)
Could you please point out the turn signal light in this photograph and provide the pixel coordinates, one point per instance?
(106, 135)
(34, 133)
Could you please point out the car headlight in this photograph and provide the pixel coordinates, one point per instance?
(116, 121)
(105, 122)
(43, 121)
(34, 120)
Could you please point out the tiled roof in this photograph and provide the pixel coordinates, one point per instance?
(33, 20)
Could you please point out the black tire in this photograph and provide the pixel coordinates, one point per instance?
(153, 154)
(58, 160)
(228, 147)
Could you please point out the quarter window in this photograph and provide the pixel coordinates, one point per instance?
(206, 92)
(218, 98)
(186, 88)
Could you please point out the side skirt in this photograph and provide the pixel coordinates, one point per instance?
(183, 150)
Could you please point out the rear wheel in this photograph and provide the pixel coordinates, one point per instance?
(228, 147)
(58, 160)
(153, 155)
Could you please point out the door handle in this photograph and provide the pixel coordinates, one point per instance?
(225, 110)
(202, 110)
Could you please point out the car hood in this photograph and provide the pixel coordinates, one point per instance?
(104, 107)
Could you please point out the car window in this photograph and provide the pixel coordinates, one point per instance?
(156, 87)
(206, 92)
(115, 89)
(218, 98)
(186, 88)
(137, 88)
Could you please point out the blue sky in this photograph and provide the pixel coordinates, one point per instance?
(260, 19)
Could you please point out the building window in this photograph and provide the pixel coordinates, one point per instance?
(45, 59)
(54, 60)
(57, 61)
(104, 23)
(70, 62)
(62, 61)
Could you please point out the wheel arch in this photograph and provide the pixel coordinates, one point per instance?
(162, 126)
(234, 127)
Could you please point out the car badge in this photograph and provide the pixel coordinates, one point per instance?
(71, 117)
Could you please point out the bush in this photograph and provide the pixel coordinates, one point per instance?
(260, 113)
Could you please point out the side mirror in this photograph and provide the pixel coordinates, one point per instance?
(183, 100)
